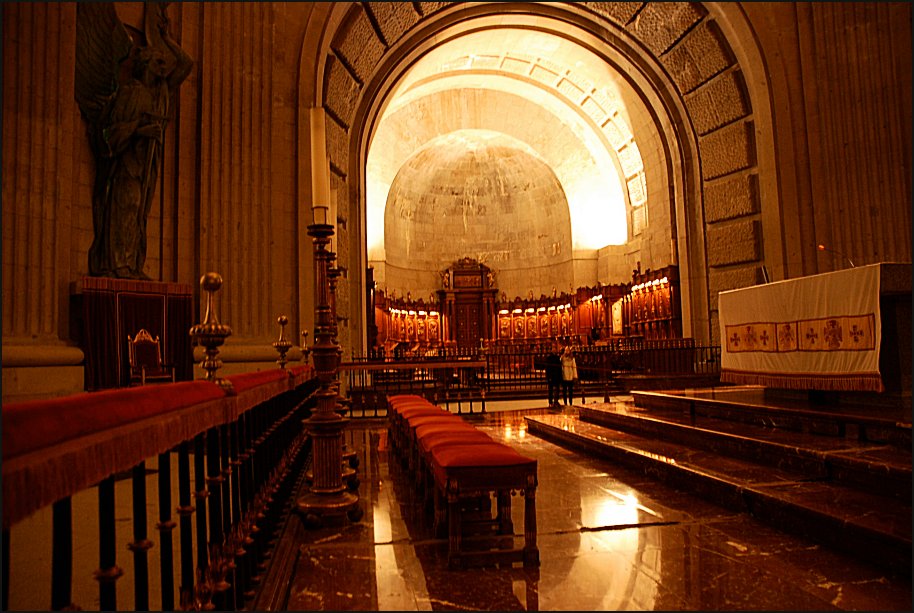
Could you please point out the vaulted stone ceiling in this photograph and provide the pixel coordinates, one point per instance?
(545, 94)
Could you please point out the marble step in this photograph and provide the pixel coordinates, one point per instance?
(868, 525)
(879, 468)
(874, 422)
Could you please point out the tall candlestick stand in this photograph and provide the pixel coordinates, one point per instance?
(350, 459)
(327, 496)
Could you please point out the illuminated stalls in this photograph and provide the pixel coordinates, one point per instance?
(652, 309)
(405, 324)
(466, 313)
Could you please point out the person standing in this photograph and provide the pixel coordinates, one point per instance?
(554, 375)
(569, 374)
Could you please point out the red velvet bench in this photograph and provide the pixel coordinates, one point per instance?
(463, 472)
(430, 434)
(396, 399)
(406, 417)
(396, 406)
(415, 420)
(398, 422)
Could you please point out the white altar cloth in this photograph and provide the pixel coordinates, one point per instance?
(821, 332)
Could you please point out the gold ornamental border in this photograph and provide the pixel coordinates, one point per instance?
(843, 333)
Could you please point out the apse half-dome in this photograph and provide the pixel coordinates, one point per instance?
(478, 194)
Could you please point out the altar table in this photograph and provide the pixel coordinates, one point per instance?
(821, 332)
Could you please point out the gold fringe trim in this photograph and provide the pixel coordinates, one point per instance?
(839, 383)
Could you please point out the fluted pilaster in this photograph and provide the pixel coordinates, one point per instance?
(38, 167)
(856, 66)
(236, 209)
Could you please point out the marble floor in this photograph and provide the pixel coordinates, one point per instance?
(609, 539)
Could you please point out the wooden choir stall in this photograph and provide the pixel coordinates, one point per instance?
(467, 315)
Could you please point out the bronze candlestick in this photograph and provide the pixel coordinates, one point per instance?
(328, 496)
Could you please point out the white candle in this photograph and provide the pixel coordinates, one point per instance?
(320, 164)
(332, 219)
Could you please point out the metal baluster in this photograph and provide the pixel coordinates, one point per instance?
(61, 555)
(6, 569)
(108, 572)
(140, 545)
(255, 435)
(203, 591)
(239, 528)
(247, 500)
(214, 481)
(225, 470)
(262, 459)
(165, 527)
(184, 511)
(235, 551)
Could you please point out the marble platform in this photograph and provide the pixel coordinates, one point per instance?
(611, 537)
(839, 477)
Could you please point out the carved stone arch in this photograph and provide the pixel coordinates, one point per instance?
(686, 68)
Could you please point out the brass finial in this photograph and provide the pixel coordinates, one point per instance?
(283, 344)
(211, 334)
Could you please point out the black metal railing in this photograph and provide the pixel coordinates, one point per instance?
(221, 486)
(515, 370)
(457, 385)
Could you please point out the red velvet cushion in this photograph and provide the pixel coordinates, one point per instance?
(458, 426)
(415, 422)
(246, 381)
(494, 454)
(401, 398)
(405, 406)
(418, 407)
(436, 439)
(402, 419)
(36, 424)
(397, 399)
(402, 402)
(413, 412)
(300, 369)
(481, 461)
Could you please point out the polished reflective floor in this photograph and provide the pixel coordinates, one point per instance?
(609, 539)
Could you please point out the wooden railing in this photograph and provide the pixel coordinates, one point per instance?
(74, 458)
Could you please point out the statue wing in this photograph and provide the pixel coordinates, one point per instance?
(102, 44)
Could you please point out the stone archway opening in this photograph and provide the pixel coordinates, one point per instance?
(678, 72)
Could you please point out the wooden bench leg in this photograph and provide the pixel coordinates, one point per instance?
(505, 523)
(531, 552)
(440, 512)
(454, 527)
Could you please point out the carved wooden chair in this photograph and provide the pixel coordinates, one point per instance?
(145, 356)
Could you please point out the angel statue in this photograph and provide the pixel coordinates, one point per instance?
(124, 83)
